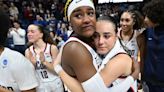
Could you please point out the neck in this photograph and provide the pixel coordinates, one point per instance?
(127, 33)
(39, 44)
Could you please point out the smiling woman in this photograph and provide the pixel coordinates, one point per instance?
(43, 50)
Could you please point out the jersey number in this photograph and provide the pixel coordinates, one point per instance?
(44, 74)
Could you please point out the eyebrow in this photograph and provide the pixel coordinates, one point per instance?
(77, 10)
(106, 33)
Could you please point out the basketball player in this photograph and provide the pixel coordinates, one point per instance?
(131, 23)
(17, 72)
(43, 49)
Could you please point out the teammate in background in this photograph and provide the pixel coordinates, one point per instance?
(43, 49)
(152, 47)
(17, 72)
(131, 26)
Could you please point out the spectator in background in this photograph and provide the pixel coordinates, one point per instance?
(19, 37)
(13, 10)
(152, 47)
(64, 31)
(39, 20)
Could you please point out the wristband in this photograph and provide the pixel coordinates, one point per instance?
(58, 68)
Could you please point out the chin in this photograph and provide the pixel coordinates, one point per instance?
(31, 41)
(101, 52)
(89, 34)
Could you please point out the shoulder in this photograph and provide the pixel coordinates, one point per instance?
(54, 47)
(16, 59)
(123, 58)
(13, 54)
(74, 45)
(121, 61)
(27, 51)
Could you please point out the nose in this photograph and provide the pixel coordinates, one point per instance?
(101, 41)
(86, 19)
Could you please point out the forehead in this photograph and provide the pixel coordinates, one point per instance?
(126, 15)
(105, 26)
(34, 27)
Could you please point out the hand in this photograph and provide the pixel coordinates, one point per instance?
(135, 70)
(42, 59)
(49, 66)
(32, 58)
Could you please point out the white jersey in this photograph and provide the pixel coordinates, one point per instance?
(131, 46)
(117, 49)
(96, 62)
(16, 72)
(43, 74)
(96, 83)
(95, 57)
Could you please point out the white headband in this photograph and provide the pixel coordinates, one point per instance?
(78, 3)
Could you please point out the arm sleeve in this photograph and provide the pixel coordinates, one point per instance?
(24, 73)
(22, 32)
(123, 86)
(96, 84)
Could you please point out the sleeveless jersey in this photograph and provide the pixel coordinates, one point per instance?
(42, 72)
(16, 72)
(88, 86)
(117, 49)
(131, 46)
(96, 59)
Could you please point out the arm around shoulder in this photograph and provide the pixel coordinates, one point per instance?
(118, 66)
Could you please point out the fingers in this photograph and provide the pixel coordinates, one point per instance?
(42, 59)
(32, 58)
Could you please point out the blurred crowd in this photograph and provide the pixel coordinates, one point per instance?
(50, 14)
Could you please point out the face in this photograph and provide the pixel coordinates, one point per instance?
(104, 37)
(83, 21)
(33, 33)
(126, 22)
(148, 22)
(16, 25)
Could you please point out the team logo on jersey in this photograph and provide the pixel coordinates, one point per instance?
(77, 1)
(150, 39)
(4, 63)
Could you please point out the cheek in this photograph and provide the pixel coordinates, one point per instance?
(110, 44)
